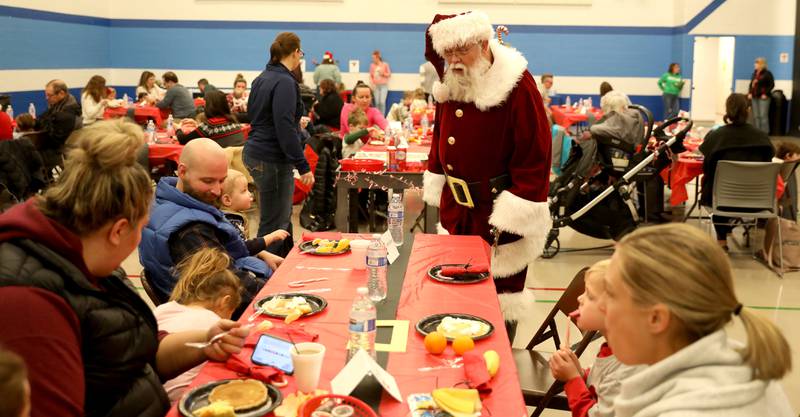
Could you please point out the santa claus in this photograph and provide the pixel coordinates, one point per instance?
(488, 169)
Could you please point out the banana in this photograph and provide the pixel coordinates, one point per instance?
(342, 245)
(457, 401)
(492, 362)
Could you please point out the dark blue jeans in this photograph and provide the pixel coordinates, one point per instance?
(275, 182)
(671, 106)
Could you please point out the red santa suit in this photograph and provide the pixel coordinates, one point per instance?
(499, 144)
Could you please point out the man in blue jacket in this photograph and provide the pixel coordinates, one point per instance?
(185, 217)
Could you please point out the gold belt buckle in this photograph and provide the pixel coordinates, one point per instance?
(460, 191)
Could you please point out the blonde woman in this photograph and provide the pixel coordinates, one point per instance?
(206, 292)
(669, 295)
(91, 343)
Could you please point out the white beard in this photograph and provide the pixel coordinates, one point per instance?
(463, 88)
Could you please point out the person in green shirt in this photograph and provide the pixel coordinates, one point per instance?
(671, 84)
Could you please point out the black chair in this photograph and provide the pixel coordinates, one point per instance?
(539, 388)
(148, 289)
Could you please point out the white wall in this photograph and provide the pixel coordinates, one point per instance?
(601, 12)
(750, 17)
(96, 8)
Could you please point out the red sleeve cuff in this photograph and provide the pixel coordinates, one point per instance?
(162, 334)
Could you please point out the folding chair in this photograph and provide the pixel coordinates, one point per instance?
(539, 388)
(746, 190)
(148, 289)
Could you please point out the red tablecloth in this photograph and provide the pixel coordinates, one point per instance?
(199, 101)
(140, 114)
(566, 116)
(412, 147)
(682, 171)
(419, 296)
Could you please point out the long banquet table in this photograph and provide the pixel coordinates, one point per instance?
(411, 296)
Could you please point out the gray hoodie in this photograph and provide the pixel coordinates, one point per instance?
(706, 378)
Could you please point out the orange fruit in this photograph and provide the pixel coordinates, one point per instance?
(462, 344)
(435, 343)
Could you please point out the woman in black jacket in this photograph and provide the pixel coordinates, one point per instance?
(329, 107)
(761, 85)
(274, 148)
(736, 141)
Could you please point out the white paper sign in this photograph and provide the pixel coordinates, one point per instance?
(302, 65)
(391, 248)
(784, 57)
(360, 365)
(355, 65)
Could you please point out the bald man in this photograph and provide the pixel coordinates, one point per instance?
(185, 217)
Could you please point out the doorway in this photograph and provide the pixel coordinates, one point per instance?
(712, 76)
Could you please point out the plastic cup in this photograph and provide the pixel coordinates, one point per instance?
(358, 252)
(307, 360)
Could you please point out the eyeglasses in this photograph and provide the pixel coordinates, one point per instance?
(459, 52)
(302, 54)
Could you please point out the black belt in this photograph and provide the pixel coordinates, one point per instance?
(466, 193)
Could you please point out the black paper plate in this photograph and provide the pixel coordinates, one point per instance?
(316, 302)
(429, 324)
(198, 397)
(309, 248)
(463, 279)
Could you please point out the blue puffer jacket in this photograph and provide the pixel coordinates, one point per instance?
(172, 210)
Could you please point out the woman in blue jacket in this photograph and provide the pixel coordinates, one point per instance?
(274, 148)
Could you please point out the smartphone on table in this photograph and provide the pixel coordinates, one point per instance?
(275, 352)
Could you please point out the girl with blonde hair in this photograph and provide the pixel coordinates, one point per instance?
(669, 295)
(91, 342)
(206, 292)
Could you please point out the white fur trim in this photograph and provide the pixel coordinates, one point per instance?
(522, 217)
(432, 186)
(440, 91)
(460, 30)
(441, 230)
(501, 78)
(517, 305)
(510, 258)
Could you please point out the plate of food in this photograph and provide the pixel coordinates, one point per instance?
(291, 306)
(325, 247)
(230, 397)
(453, 325)
(459, 273)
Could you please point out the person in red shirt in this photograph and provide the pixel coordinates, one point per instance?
(90, 342)
(591, 392)
(6, 131)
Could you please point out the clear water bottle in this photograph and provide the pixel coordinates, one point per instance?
(125, 99)
(424, 123)
(170, 126)
(150, 133)
(408, 125)
(10, 112)
(362, 324)
(377, 269)
(395, 220)
(568, 102)
(32, 110)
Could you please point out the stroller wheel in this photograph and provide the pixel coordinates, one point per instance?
(551, 248)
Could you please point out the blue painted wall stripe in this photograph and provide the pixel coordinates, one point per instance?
(702, 15)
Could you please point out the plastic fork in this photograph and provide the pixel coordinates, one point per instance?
(302, 283)
(214, 339)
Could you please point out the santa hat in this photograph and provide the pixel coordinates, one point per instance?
(327, 55)
(451, 31)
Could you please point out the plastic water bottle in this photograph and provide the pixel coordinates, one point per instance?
(150, 133)
(32, 110)
(377, 269)
(395, 220)
(10, 112)
(568, 102)
(170, 126)
(126, 99)
(362, 324)
(408, 125)
(424, 123)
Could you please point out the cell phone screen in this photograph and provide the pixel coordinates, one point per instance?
(274, 352)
